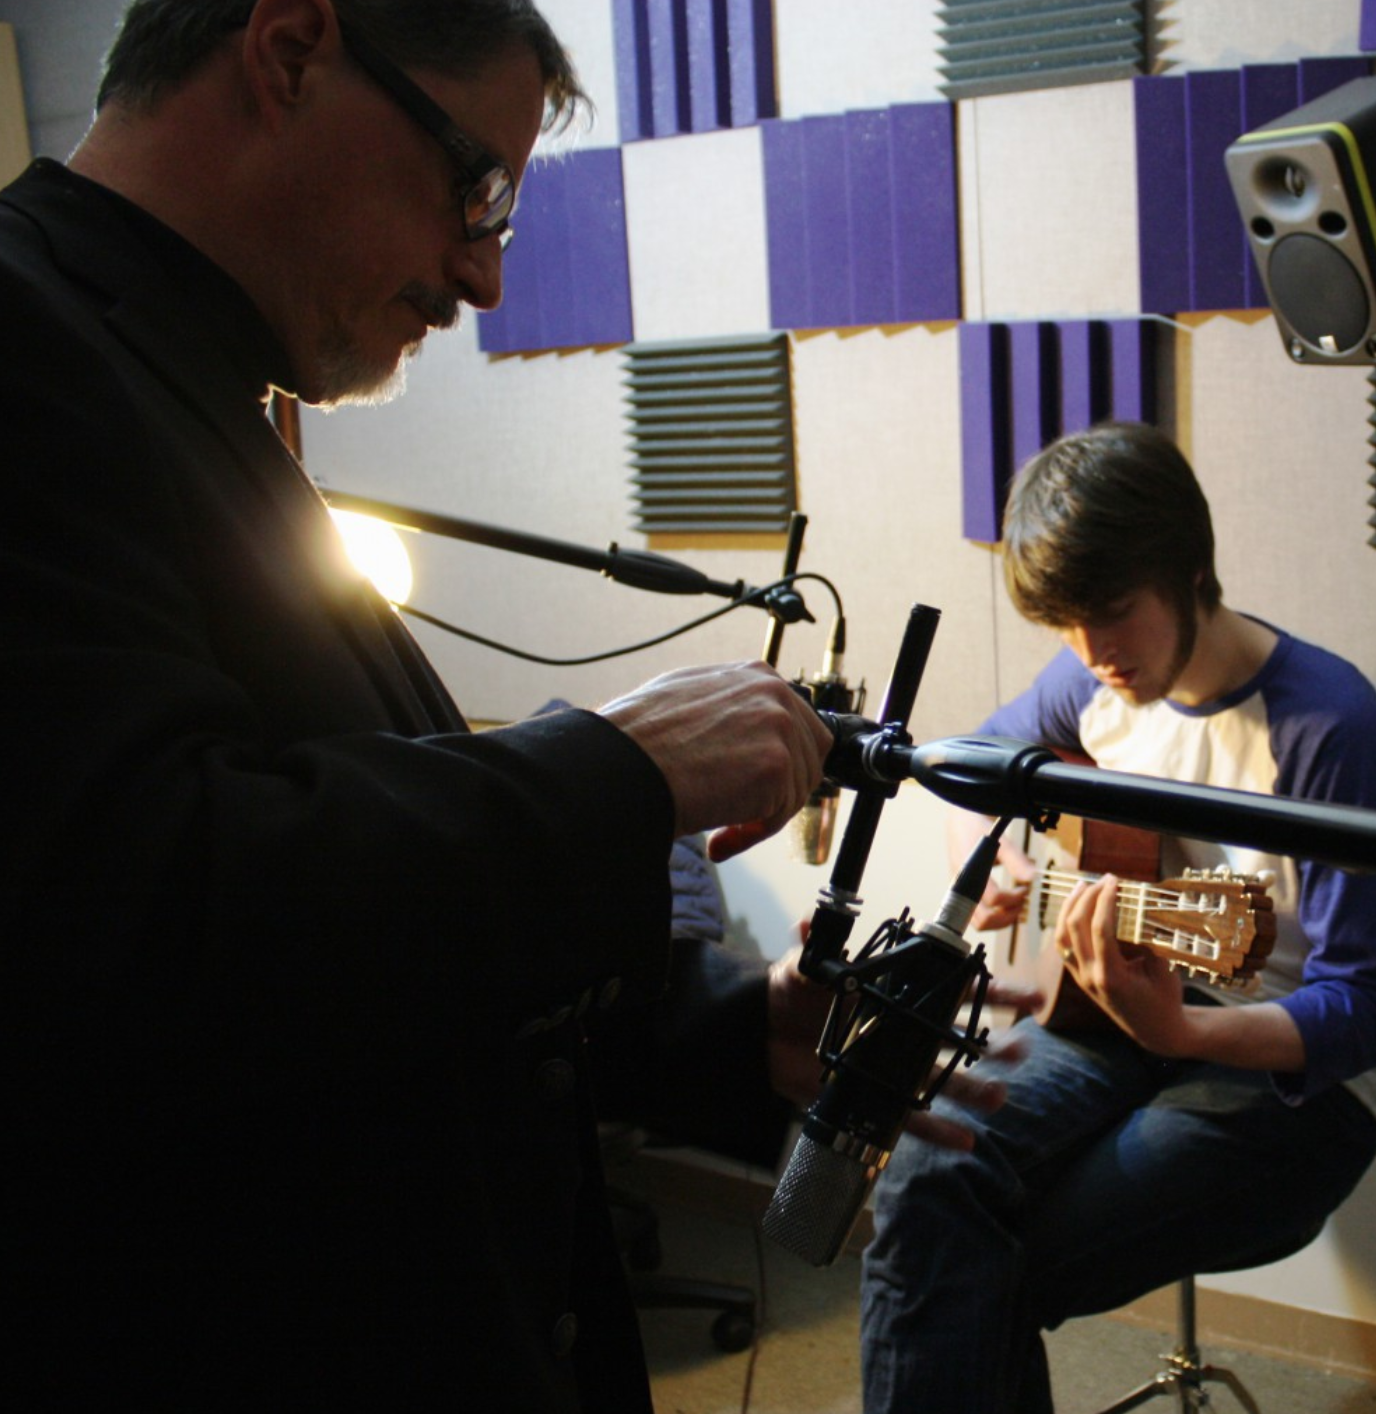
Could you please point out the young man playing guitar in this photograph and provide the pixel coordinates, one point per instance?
(1197, 1132)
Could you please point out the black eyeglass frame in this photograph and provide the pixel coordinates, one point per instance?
(487, 178)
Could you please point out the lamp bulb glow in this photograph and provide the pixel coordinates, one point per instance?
(377, 551)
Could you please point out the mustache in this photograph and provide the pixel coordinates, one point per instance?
(441, 308)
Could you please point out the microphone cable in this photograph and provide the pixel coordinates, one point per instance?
(756, 598)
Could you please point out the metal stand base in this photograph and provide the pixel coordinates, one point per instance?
(1184, 1375)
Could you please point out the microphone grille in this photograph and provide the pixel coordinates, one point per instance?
(817, 1201)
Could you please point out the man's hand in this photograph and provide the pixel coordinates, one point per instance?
(797, 1012)
(737, 746)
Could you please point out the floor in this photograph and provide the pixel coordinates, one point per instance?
(804, 1360)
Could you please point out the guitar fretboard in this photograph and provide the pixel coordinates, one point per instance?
(1134, 921)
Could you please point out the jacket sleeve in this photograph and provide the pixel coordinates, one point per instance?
(692, 1068)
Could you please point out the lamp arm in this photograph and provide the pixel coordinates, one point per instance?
(641, 569)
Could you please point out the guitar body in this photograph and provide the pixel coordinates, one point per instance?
(1214, 925)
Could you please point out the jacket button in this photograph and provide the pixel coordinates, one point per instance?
(565, 1333)
(555, 1080)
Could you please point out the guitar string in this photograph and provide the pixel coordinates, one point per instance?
(1135, 899)
(1139, 897)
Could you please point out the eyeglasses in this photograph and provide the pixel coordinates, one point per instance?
(488, 189)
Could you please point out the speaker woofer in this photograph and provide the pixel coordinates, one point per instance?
(1320, 294)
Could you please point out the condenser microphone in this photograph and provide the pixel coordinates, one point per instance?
(814, 825)
(883, 1068)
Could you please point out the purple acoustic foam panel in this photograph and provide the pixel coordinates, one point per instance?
(750, 61)
(984, 435)
(516, 324)
(1033, 398)
(862, 217)
(567, 273)
(785, 224)
(554, 230)
(1083, 373)
(870, 231)
(668, 68)
(709, 79)
(600, 297)
(828, 225)
(1320, 76)
(1163, 232)
(631, 44)
(926, 212)
(1218, 245)
(1132, 369)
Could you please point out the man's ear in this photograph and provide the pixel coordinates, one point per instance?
(285, 42)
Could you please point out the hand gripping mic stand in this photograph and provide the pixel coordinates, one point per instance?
(894, 1012)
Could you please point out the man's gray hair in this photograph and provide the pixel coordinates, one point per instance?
(162, 42)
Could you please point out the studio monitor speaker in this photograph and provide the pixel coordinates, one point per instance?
(1303, 185)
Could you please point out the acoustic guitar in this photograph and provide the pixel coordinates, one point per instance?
(1215, 926)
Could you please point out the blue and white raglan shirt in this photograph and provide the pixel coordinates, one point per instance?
(1305, 727)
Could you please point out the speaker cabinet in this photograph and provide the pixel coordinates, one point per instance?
(1303, 186)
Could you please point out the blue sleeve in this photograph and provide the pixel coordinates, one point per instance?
(1049, 711)
(1323, 725)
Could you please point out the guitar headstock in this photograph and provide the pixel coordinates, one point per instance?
(1211, 922)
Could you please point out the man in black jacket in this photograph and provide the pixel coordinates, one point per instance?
(296, 970)
(297, 973)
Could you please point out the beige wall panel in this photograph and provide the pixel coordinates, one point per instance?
(862, 54)
(878, 433)
(586, 32)
(695, 229)
(1222, 34)
(1049, 203)
(14, 130)
(1282, 454)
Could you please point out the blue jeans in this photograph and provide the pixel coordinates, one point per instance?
(1107, 1174)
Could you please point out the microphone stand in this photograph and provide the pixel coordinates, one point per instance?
(1002, 776)
(879, 1055)
(837, 903)
(793, 550)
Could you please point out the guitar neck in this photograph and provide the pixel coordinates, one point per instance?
(1135, 898)
(1217, 926)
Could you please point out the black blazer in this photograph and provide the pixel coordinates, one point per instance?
(295, 969)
